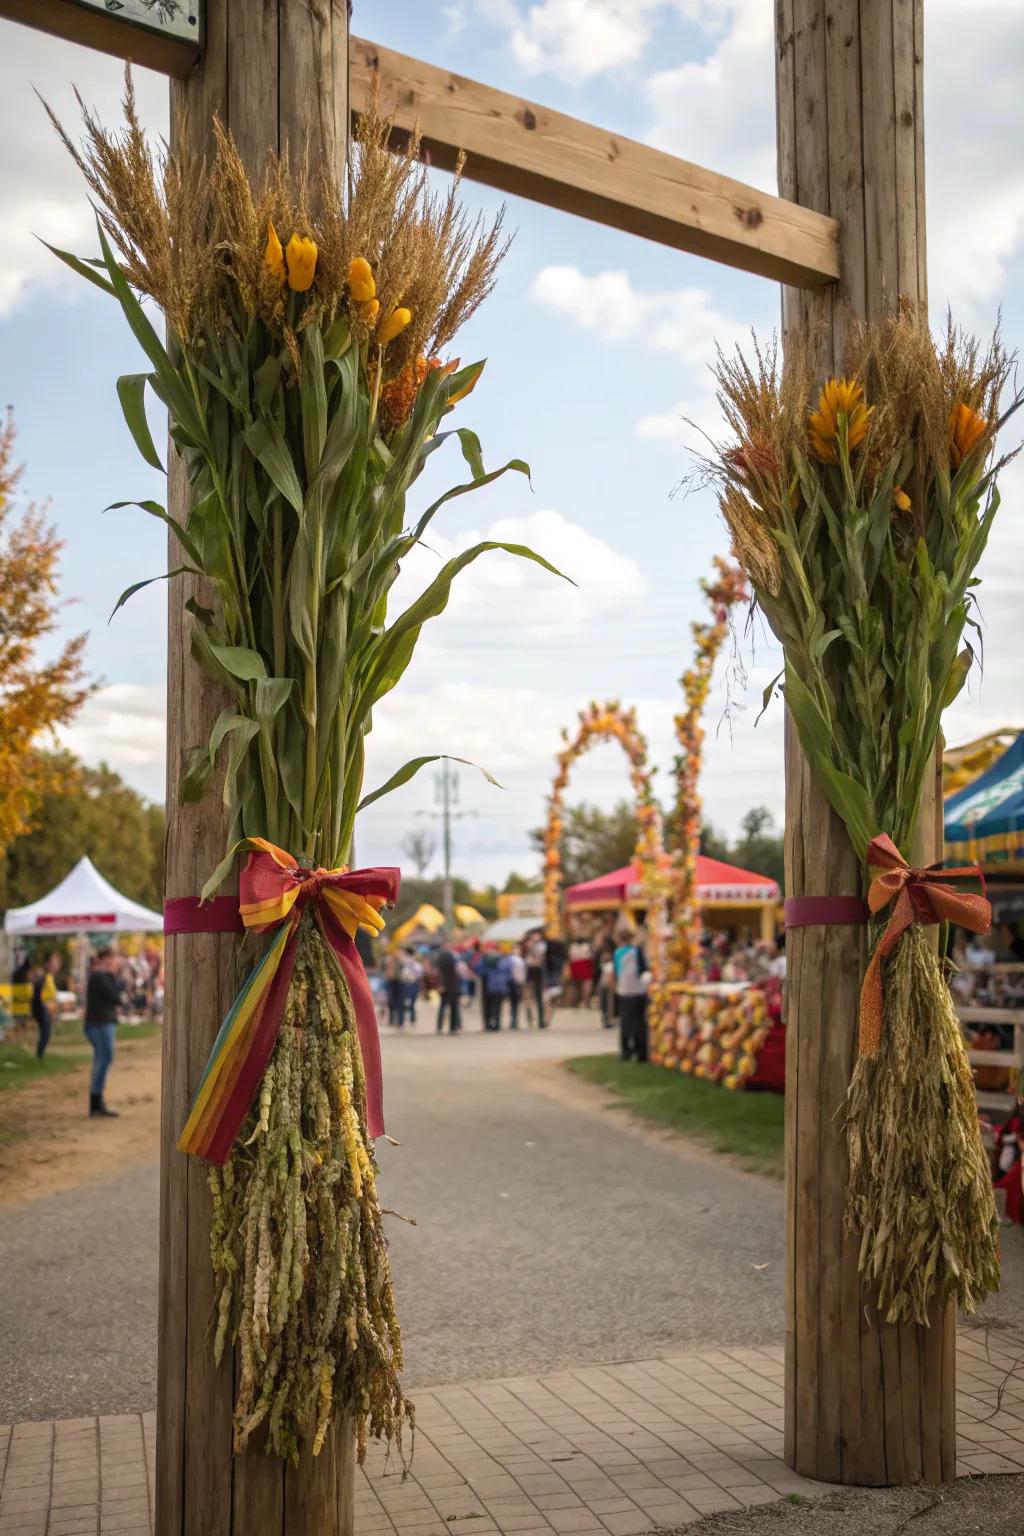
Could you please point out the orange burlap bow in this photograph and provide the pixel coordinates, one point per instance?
(920, 898)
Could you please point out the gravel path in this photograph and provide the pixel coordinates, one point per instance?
(549, 1233)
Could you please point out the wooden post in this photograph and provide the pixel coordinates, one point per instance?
(865, 1403)
(277, 73)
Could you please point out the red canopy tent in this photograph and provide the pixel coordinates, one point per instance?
(729, 896)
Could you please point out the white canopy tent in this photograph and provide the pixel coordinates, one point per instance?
(83, 902)
(509, 930)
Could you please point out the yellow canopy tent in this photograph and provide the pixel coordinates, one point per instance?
(426, 916)
(962, 765)
(467, 916)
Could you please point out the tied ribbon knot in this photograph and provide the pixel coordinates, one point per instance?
(921, 896)
(274, 893)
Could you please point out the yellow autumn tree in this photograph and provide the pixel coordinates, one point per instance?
(36, 695)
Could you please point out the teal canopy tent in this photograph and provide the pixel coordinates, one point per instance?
(985, 820)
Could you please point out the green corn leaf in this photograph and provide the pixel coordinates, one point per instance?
(346, 426)
(398, 548)
(219, 875)
(203, 616)
(337, 340)
(300, 588)
(458, 385)
(83, 268)
(240, 661)
(265, 441)
(272, 694)
(313, 395)
(196, 775)
(393, 651)
(410, 769)
(137, 586)
(156, 510)
(471, 451)
(237, 748)
(290, 761)
(766, 696)
(266, 380)
(131, 391)
(201, 760)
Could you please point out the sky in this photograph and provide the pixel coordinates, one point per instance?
(598, 346)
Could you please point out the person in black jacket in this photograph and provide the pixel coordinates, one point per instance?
(448, 988)
(40, 1010)
(103, 997)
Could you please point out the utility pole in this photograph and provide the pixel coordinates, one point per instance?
(447, 782)
(446, 794)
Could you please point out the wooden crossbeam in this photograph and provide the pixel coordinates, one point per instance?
(511, 144)
(530, 151)
(166, 38)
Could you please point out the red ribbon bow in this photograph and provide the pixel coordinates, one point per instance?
(921, 897)
(274, 891)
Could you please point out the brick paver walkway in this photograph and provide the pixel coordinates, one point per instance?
(616, 1449)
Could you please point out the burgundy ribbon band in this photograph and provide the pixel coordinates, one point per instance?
(825, 911)
(190, 914)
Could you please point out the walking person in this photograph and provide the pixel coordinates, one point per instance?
(497, 985)
(411, 975)
(556, 961)
(516, 986)
(449, 987)
(393, 988)
(104, 995)
(631, 983)
(535, 953)
(43, 993)
(604, 965)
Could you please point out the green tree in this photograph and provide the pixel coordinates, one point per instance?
(521, 885)
(759, 846)
(99, 815)
(415, 891)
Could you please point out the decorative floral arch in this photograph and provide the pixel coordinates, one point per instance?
(608, 722)
(726, 588)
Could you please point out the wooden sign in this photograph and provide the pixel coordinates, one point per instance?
(166, 35)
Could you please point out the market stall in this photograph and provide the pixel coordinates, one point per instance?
(729, 897)
(985, 820)
(727, 1032)
(82, 903)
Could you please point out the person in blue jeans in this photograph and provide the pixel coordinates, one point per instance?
(103, 997)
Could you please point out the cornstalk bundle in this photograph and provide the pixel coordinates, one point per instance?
(859, 524)
(304, 381)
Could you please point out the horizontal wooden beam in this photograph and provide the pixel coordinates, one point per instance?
(167, 38)
(532, 152)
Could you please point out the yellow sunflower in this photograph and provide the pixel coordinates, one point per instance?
(840, 397)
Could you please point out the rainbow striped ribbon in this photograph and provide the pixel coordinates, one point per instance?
(275, 892)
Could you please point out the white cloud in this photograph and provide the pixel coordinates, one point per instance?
(505, 597)
(718, 110)
(578, 39)
(683, 321)
(975, 173)
(124, 725)
(44, 194)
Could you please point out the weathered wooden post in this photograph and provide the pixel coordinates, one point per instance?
(865, 1402)
(276, 71)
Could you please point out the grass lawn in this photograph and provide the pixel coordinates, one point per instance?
(747, 1125)
(67, 1050)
